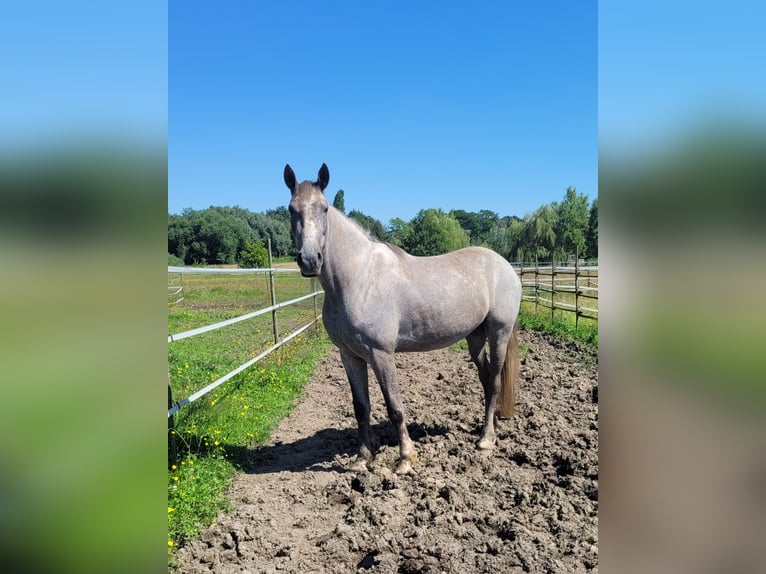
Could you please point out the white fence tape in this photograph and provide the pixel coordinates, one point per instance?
(227, 271)
(190, 333)
(214, 326)
(194, 396)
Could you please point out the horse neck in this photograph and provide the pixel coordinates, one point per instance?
(346, 254)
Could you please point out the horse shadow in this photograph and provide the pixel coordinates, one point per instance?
(327, 450)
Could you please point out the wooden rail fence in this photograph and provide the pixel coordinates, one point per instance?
(571, 288)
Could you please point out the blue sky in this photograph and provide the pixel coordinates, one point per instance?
(83, 69)
(666, 67)
(412, 105)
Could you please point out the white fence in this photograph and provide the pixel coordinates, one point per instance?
(174, 407)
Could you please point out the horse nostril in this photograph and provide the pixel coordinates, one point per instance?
(319, 258)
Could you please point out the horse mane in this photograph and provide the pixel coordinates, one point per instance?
(398, 251)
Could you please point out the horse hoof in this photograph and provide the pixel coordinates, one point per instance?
(359, 465)
(486, 444)
(404, 467)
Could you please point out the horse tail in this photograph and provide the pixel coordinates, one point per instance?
(510, 372)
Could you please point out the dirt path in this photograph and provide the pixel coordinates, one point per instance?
(532, 505)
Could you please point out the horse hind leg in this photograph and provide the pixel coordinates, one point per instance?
(476, 342)
(498, 347)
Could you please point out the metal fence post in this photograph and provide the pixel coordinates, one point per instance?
(273, 293)
(314, 299)
(172, 450)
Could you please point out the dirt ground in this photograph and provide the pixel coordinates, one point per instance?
(529, 506)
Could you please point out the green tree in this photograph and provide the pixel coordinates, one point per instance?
(180, 235)
(373, 226)
(276, 229)
(537, 235)
(591, 239)
(478, 225)
(254, 255)
(398, 231)
(435, 232)
(571, 224)
(215, 236)
(339, 202)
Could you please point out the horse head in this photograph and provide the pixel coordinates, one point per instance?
(308, 218)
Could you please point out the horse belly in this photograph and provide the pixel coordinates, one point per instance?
(438, 329)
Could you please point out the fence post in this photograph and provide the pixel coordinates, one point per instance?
(553, 285)
(172, 451)
(577, 287)
(314, 299)
(273, 293)
(537, 279)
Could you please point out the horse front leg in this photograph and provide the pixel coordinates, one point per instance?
(384, 366)
(356, 370)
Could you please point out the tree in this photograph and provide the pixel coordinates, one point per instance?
(477, 225)
(339, 201)
(571, 224)
(213, 235)
(277, 230)
(398, 231)
(591, 239)
(254, 255)
(435, 232)
(180, 235)
(373, 226)
(537, 234)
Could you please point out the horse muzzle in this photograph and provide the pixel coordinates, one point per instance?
(310, 265)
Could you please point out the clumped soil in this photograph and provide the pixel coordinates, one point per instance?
(531, 505)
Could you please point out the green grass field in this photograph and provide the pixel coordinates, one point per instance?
(211, 434)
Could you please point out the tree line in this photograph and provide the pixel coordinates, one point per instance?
(234, 235)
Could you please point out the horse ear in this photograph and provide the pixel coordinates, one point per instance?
(290, 178)
(324, 177)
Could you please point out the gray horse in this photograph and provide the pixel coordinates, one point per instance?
(379, 300)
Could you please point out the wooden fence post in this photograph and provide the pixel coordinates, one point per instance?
(537, 279)
(553, 285)
(273, 293)
(577, 288)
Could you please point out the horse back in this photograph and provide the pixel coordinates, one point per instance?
(436, 301)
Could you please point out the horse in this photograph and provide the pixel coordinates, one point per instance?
(380, 300)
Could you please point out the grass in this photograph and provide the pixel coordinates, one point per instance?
(562, 324)
(213, 433)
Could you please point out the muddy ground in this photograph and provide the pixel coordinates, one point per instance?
(529, 506)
